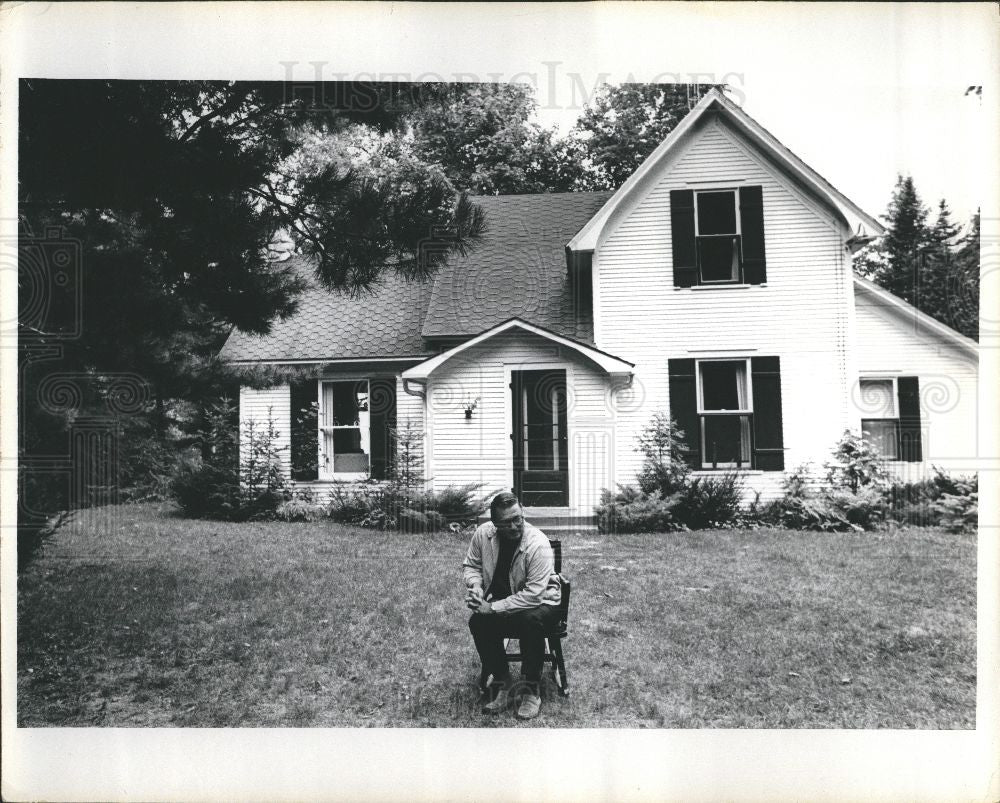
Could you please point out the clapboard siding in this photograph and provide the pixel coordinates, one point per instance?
(479, 449)
(889, 344)
(800, 315)
(257, 405)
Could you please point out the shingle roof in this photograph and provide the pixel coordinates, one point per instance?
(517, 270)
(331, 326)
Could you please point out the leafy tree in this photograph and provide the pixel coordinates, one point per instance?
(624, 124)
(872, 262)
(482, 137)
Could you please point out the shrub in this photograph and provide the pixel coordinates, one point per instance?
(957, 512)
(949, 501)
(206, 490)
(390, 507)
(668, 497)
(804, 513)
(348, 506)
(460, 504)
(632, 510)
(208, 486)
(853, 497)
(855, 464)
(229, 482)
(662, 447)
(299, 510)
(704, 502)
(866, 509)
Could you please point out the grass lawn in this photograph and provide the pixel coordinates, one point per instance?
(135, 617)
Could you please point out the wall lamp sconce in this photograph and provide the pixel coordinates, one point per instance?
(470, 406)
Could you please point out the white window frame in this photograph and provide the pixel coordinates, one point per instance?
(697, 374)
(895, 408)
(326, 462)
(707, 464)
(735, 191)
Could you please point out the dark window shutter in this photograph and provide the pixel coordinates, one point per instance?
(768, 439)
(304, 430)
(682, 239)
(910, 443)
(382, 420)
(752, 228)
(684, 408)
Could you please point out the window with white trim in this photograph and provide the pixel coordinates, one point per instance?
(880, 411)
(345, 431)
(717, 233)
(725, 412)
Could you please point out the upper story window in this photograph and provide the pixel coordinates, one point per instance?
(717, 236)
(717, 233)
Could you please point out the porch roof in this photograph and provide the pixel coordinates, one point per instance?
(608, 362)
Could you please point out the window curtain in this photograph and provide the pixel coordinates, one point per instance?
(741, 385)
(744, 402)
(734, 270)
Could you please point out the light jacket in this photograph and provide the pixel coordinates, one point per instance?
(533, 578)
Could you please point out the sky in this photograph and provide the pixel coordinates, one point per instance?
(859, 138)
(860, 91)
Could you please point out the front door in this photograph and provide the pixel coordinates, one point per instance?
(541, 462)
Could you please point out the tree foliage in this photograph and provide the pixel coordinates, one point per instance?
(933, 266)
(483, 138)
(165, 196)
(624, 124)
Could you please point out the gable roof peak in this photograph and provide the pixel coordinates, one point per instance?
(859, 225)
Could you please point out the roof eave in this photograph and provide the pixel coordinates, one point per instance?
(966, 344)
(607, 362)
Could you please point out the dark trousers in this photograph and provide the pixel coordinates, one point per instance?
(528, 626)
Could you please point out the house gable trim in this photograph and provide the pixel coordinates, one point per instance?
(860, 223)
(609, 363)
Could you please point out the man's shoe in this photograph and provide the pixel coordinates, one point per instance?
(531, 705)
(497, 696)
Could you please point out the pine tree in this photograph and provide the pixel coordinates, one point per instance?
(935, 268)
(162, 197)
(944, 231)
(905, 241)
(963, 296)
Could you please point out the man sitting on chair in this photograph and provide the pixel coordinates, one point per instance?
(513, 562)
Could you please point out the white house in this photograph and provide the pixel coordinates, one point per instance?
(715, 284)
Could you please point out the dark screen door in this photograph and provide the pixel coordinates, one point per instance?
(541, 464)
